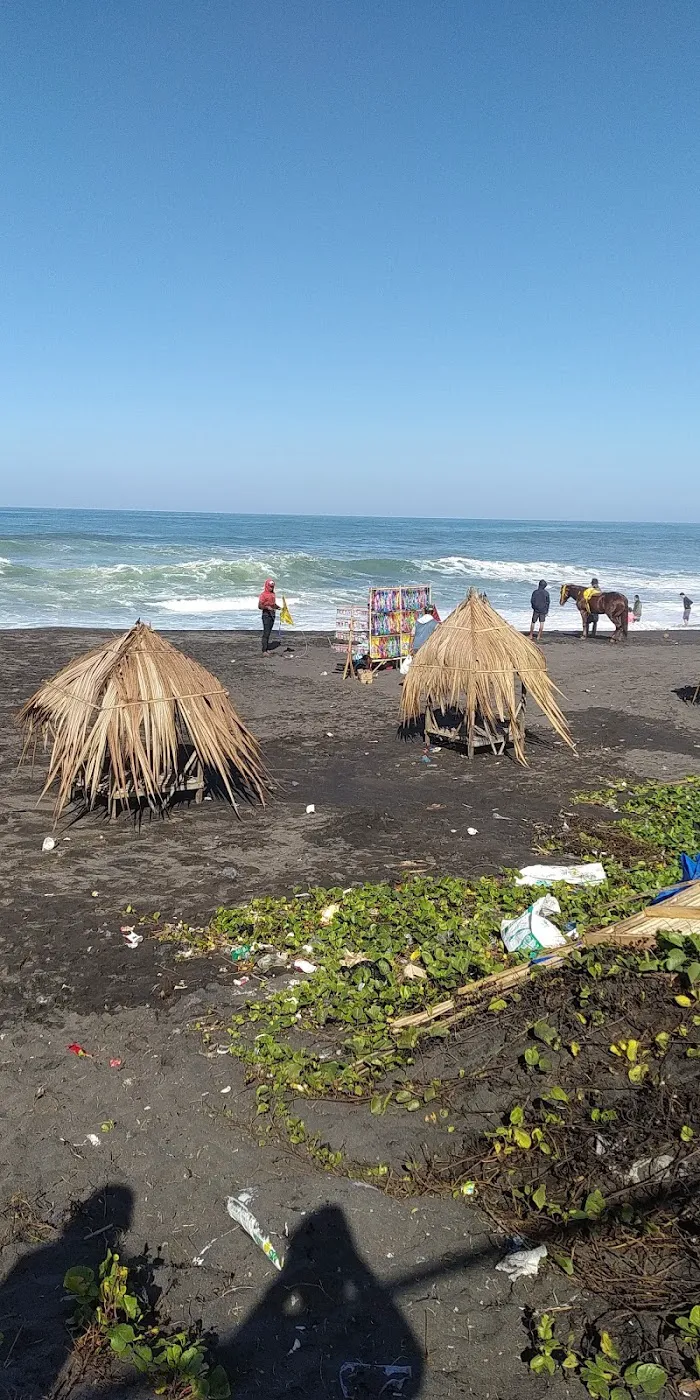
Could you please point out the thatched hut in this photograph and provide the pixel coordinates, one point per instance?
(137, 721)
(465, 675)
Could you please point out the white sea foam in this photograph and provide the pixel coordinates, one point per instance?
(509, 571)
(109, 580)
(519, 571)
(204, 606)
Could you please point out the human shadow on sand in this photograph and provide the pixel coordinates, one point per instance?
(326, 1327)
(33, 1312)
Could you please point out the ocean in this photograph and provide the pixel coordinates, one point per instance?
(74, 568)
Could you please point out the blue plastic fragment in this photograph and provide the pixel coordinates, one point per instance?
(690, 870)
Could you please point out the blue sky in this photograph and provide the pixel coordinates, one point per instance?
(351, 257)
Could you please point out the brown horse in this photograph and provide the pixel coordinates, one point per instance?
(612, 605)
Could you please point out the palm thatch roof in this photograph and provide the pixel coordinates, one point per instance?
(470, 664)
(137, 719)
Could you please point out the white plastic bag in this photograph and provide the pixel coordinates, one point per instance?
(592, 873)
(523, 1263)
(532, 930)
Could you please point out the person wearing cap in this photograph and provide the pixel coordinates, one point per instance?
(539, 603)
(593, 617)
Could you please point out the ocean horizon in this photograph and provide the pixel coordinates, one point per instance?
(180, 570)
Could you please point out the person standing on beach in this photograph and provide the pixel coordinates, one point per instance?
(593, 617)
(425, 624)
(268, 606)
(539, 603)
(687, 605)
(637, 608)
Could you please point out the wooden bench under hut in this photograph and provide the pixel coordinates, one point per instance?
(470, 681)
(137, 722)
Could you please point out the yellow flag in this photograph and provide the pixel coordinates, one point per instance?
(285, 615)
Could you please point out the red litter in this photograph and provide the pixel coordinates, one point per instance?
(115, 1064)
(76, 1049)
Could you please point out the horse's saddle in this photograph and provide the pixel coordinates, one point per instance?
(589, 593)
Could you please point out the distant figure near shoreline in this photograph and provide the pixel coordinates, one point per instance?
(687, 605)
(268, 606)
(539, 603)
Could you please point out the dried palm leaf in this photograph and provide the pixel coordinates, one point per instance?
(131, 720)
(470, 664)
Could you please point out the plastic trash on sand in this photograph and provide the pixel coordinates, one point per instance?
(359, 1380)
(532, 930)
(690, 866)
(649, 1169)
(272, 962)
(198, 1260)
(303, 965)
(48, 843)
(239, 1212)
(241, 952)
(592, 873)
(523, 1263)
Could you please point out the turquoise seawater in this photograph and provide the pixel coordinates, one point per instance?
(176, 570)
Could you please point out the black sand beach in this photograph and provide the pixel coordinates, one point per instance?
(181, 1143)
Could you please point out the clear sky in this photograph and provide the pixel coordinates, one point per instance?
(354, 256)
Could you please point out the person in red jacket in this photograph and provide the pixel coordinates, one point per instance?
(268, 606)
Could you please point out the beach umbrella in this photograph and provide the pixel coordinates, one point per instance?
(136, 719)
(470, 665)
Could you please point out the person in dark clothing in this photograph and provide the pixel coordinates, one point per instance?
(593, 617)
(268, 606)
(539, 603)
(687, 605)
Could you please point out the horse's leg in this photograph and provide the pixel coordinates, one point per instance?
(584, 623)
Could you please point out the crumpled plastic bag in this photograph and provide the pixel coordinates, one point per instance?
(523, 1263)
(360, 1381)
(532, 931)
(591, 873)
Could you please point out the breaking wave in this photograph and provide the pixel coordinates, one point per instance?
(105, 569)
